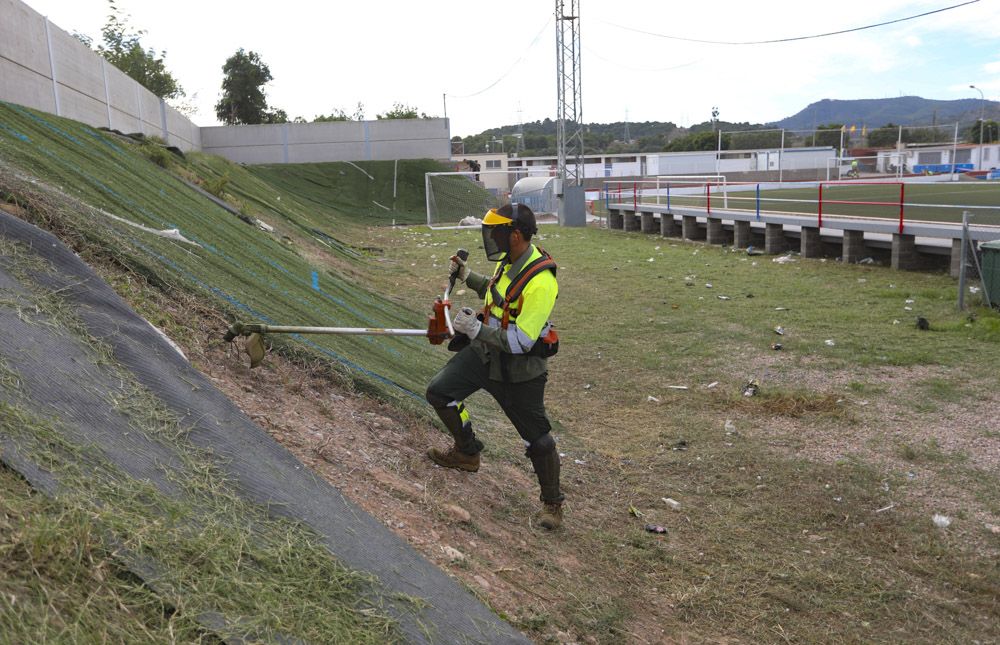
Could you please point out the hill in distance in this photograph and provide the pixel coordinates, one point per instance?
(650, 136)
(903, 110)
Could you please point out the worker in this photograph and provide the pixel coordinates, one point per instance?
(854, 168)
(510, 342)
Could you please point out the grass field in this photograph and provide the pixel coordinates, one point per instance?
(780, 536)
(926, 202)
(805, 511)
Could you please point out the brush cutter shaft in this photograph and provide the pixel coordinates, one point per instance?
(359, 331)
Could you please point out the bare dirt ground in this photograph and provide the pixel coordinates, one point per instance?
(477, 527)
(601, 578)
(375, 455)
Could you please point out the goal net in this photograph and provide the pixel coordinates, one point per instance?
(454, 197)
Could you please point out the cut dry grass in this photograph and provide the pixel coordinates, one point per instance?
(795, 404)
(217, 563)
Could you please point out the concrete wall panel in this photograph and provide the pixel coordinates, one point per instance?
(407, 129)
(330, 141)
(235, 136)
(123, 121)
(182, 133)
(82, 107)
(250, 154)
(412, 149)
(26, 79)
(149, 111)
(22, 37)
(77, 67)
(22, 86)
(332, 131)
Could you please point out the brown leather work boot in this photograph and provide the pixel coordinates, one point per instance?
(454, 458)
(550, 517)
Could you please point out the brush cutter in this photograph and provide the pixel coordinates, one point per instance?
(438, 330)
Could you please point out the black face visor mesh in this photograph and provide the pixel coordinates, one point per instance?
(496, 241)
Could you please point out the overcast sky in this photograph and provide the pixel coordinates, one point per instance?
(327, 55)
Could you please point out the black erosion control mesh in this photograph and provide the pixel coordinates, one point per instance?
(52, 373)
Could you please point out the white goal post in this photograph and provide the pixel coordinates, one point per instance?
(453, 196)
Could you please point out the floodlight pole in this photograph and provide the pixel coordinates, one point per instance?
(954, 151)
(982, 118)
(569, 112)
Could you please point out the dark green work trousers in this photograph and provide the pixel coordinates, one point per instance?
(523, 403)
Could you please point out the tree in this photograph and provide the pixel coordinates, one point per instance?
(754, 140)
(121, 48)
(989, 130)
(243, 100)
(884, 137)
(339, 115)
(698, 141)
(400, 111)
(829, 135)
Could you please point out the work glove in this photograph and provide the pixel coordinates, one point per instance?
(458, 268)
(466, 323)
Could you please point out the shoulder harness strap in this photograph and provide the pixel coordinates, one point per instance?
(517, 285)
(521, 280)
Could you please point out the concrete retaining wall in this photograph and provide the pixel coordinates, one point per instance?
(43, 67)
(331, 141)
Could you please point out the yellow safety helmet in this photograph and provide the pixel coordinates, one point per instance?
(493, 218)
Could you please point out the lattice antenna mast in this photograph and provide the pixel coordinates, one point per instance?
(569, 122)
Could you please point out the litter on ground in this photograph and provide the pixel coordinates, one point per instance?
(672, 503)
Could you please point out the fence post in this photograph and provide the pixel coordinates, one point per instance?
(708, 199)
(962, 260)
(819, 206)
(781, 155)
(758, 202)
(668, 196)
(901, 188)
(635, 197)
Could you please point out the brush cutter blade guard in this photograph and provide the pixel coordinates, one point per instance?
(255, 349)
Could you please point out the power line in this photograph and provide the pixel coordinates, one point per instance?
(639, 69)
(511, 69)
(788, 40)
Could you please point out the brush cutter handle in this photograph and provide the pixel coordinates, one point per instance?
(462, 255)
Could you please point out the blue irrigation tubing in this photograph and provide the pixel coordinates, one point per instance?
(758, 202)
(315, 277)
(607, 200)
